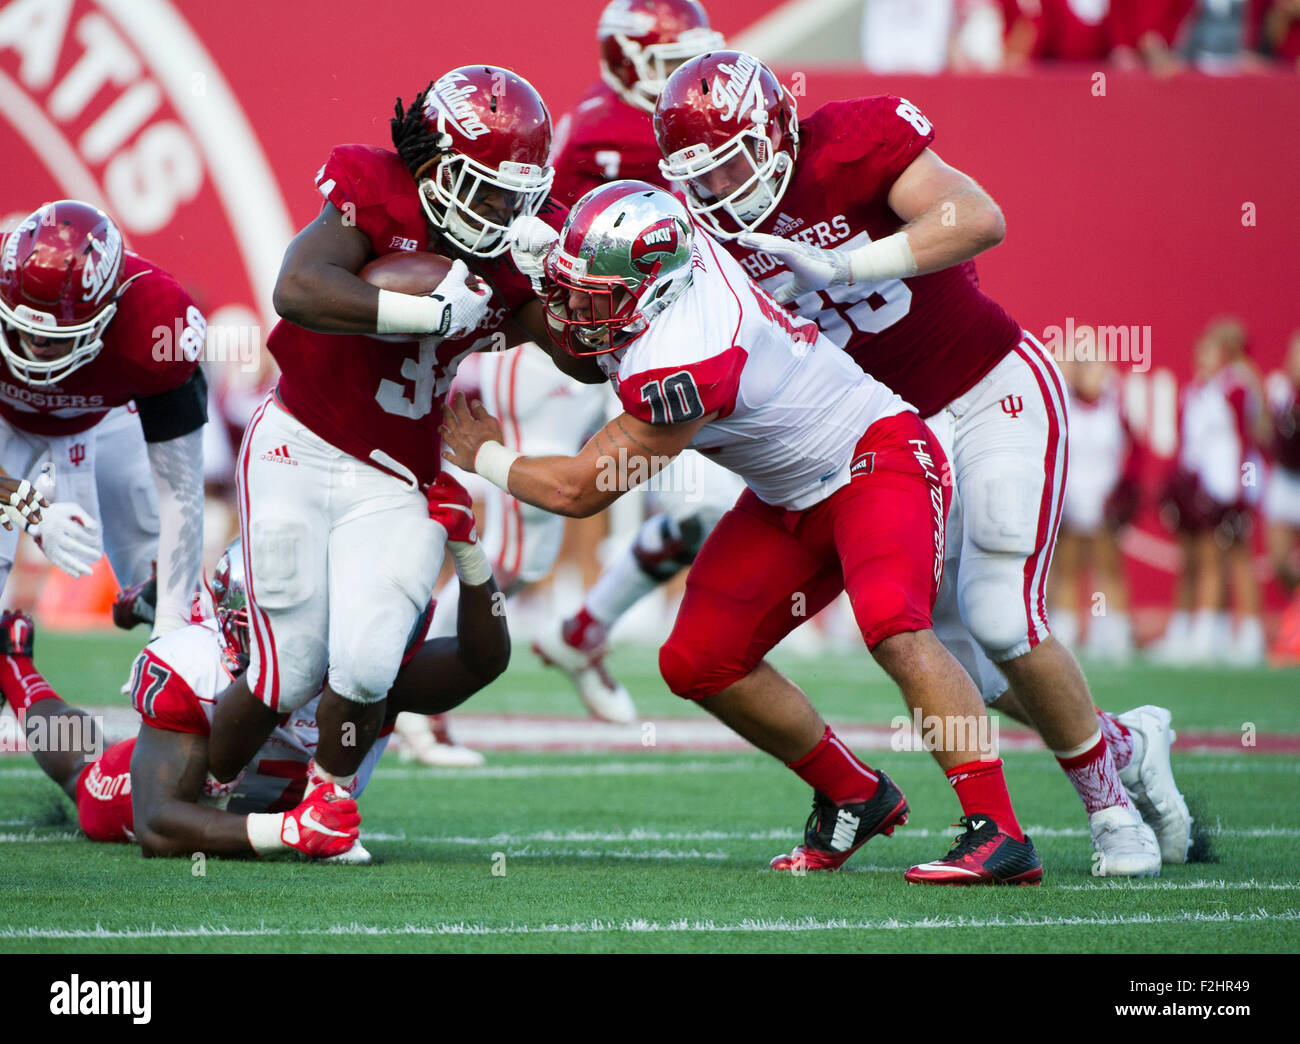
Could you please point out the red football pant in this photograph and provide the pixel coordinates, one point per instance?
(104, 795)
(765, 570)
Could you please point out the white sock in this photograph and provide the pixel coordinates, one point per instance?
(621, 586)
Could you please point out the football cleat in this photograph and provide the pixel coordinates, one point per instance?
(1149, 780)
(983, 855)
(427, 741)
(1123, 845)
(135, 605)
(17, 634)
(834, 832)
(582, 658)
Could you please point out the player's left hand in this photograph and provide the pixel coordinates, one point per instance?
(69, 536)
(530, 240)
(465, 427)
(451, 506)
(21, 502)
(813, 269)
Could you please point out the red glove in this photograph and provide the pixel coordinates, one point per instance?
(324, 825)
(451, 506)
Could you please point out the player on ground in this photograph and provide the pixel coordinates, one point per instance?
(151, 789)
(844, 491)
(340, 553)
(855, 222)
(101, 390)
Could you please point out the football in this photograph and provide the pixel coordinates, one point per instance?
(407, 272)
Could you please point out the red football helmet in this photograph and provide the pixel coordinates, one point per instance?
(730, 133)
(60, 278)
(639, 39)
(493, 135)
(230, 602)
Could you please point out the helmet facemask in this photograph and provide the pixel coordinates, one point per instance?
(84, 342)
(606, 317)
(761, 176)
(449, 192)
(230, 604)
(654, 63)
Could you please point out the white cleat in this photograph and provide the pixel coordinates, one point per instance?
(357, 855)
(1122, 844)
(1149, 780)
(424, 742)
(606, 698)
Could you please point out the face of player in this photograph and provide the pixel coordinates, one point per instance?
(44, 349)
(496, 204)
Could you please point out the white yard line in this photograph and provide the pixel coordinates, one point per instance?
(1185, 886)
(642, 927)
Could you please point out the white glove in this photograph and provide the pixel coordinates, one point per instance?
(69, 536)
(813, 268)
(463, 307)
(530, 240)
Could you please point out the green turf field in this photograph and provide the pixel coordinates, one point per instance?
(648, 850)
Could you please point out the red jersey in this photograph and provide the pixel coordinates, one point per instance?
(1071, 29)
(151, 346)
(1133, 19)
(378, 400)
(929, 338)
(603, 139)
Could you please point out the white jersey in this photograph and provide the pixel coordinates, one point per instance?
(175, 684)
(791, 405)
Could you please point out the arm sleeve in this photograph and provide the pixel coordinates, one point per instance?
(177, 466)
(177, 412)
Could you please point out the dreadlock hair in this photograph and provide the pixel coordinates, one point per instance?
(415, 143)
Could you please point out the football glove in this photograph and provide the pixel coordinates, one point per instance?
(452, 508)
(813, 269)
(69, 536)
(22, 503)
(464, 306)
(326, 824)
(530, 240)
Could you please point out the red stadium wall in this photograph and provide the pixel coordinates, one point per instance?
(1134, 202)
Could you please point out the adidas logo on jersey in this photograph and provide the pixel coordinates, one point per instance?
(279, 455)
(785, 224)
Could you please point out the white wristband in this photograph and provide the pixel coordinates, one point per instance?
(471, 561)
(264, 831)
(493, 461)
(888, 258)
(407, 313)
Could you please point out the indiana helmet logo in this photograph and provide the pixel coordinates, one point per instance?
(656, 242)
(1012, 405)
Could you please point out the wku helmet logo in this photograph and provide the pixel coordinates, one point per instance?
(741, 90)
(661, 238)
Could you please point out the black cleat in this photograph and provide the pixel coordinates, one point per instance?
(834, 832)
(983, 855)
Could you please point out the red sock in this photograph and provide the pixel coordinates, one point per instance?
(1118, 738)
(584, 631)
(831, 768)
(22, 683)
(1095, 777)
(982, 790)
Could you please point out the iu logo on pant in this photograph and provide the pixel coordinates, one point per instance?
(1012, 405)
(77, 453)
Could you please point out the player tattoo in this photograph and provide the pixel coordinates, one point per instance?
(633, 438)
(178, 473)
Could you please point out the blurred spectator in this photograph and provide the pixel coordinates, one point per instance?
(1214, 37)
(907, 36)
(1282, 497)
(1101, 498)
(1146, 34)
(1061, 30)
(976, 44)
(1274, 30)
(1208, 502)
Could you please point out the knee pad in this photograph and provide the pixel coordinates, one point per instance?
(283, 576)
(991, 595)
(1000, 510)
(682, 673)
(300, 662)
(884, 608)
(365, 663)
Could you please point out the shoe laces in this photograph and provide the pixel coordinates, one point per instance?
(969, 842)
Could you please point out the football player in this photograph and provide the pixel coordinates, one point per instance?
(855, 222)
(151, 789)
(609, 136)
(844, 491)
(102, 389)
(340, 554)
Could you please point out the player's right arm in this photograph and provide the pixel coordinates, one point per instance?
(318, 287)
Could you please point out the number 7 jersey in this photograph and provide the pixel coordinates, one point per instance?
(930, 337)
(790, 405)
(379, 400)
